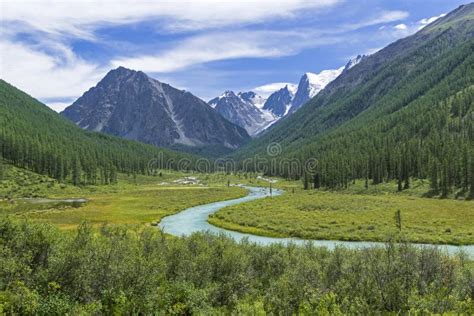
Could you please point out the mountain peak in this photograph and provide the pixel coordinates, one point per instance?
(129, 104)
(311, 84)
(121, 73)
(228, 94)
(279, 102)
(122, 70)
(247, 95)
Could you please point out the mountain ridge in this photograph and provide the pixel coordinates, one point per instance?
(130, 104)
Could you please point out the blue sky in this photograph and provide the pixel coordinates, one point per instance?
(56, 50)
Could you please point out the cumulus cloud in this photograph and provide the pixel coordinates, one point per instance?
(406, 29)
(212, 30)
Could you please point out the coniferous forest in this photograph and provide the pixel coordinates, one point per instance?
(36, 138)
(396, 125)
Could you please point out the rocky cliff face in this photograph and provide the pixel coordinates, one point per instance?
(279, 102)
(243, 109)
(311, 84)
(130, 104)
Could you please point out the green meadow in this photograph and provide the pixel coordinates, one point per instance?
(354, 214)
(133, 200)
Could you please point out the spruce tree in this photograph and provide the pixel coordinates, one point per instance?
(113, 175)
(471, 179)
(434, 177)
(76, 172)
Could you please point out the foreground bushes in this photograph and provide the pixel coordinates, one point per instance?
(121, 270)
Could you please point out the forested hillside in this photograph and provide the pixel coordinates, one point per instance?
(406, 111)
(34, 137)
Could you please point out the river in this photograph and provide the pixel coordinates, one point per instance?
(194, 219)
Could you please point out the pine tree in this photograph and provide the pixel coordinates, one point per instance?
(113, 175)
(316, 181)
(76, 172)
(434, 177)
(471, 179)
(445, 181)
(399, 177)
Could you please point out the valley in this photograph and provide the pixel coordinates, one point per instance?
(355, 214)
(305, 185)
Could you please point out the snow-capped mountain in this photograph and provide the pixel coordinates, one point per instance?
(243, 109)
(255, 113)
(279, 102)
(253, 98)
(310, 84)
(354, 61)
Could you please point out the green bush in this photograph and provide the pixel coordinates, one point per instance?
(117, 270)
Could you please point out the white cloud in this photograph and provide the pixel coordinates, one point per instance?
(400, 27)
(225, 45)
(50, 69)
(60, 75)
(406, 29)
(380, 18)
(268, 89)
(81, 18)
(425, 22)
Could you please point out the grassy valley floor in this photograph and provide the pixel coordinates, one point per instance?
(353, 215)
(356, 213)
(134, 200)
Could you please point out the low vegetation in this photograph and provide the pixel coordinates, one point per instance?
(116, 270)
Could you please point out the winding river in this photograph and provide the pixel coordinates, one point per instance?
(194, 219)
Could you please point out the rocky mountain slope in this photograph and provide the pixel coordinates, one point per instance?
(256, 114)
(131, 105)
(243, 109)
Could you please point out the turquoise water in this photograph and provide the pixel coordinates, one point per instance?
(194, 219)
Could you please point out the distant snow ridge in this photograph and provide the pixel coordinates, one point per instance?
(244, 109)
(354, 61)
(310, 84)
(255, 113)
